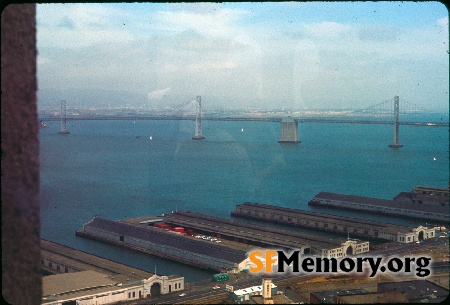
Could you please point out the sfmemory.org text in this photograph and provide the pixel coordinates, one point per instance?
(277, 261)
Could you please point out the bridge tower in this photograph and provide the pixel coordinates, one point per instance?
(63, 118)
(289, 130)
(198, 120)
(395, 142)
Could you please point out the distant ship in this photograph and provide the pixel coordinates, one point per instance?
(42, 125)
(151, 138)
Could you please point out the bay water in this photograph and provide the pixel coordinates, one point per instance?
(114, 170)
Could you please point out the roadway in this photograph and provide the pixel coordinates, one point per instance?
(242, 119)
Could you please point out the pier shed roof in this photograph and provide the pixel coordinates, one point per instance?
(328, 218)
(383, 202)
(252, 232)
(168, 238)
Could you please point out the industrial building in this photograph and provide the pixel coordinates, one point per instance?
(398, 207)
(333, 223)
(150, 236)
(328, 296)
(167, 244)
(82, 278)
(433, 191)
(56, 258)
(267, 237)
(424, 195)
(266, 293)
(416, 291)
(92, 288)
(395, 297)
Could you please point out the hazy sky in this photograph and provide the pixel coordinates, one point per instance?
(284, 54)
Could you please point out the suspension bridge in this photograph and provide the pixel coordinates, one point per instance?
(388, 112)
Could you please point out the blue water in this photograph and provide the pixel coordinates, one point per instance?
(112, 169)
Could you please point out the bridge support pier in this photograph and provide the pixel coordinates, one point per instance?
(198, 120)
(395, 142)
(289, 131)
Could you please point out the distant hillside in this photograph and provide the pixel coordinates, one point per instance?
(87, 98)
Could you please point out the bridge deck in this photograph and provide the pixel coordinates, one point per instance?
(329, 120)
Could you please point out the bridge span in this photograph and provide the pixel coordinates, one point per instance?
(243, 119)
(288, 124)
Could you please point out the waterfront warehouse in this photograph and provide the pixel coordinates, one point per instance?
(166, 244)
(411, 209)
(333, 223)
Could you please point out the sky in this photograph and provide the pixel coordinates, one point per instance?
(280, 55)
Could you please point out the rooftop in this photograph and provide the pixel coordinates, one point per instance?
(328, 218)
(83, 261)
(384, 202)
(416, 289)
(167, 238)
(277, 299)
(252, 232)
(328, 295)
(373, 298)
(76, 281)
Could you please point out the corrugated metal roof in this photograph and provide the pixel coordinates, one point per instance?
(251, 232)
(384, 202)
(70, 282)
(158, 236)
(328, 218)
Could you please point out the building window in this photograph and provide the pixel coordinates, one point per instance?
(66, 270)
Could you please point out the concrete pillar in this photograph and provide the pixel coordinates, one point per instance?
(21, 278)
(198, 120)
(395, 141)
(289, 131)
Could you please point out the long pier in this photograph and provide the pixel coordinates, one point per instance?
(244, 119)
(257, 235)
(332, 223)
(56, 258)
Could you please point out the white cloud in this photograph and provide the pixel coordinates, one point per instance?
(328, 30)
(158, 94)
(218, 22)
(80, 25)
(214, 50)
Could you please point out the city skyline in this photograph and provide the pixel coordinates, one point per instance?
(289, 55)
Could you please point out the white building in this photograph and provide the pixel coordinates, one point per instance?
(92, 288)
(348, 248)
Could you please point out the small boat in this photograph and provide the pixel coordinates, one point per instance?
(42, 125)
(242, 129)
(151, 138)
